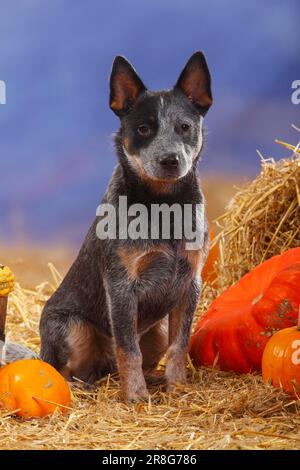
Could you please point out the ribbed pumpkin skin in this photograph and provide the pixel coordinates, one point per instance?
(281, 360)
(233, 333)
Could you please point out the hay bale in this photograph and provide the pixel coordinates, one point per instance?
(262, 219)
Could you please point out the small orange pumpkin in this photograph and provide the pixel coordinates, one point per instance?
(33, 387)
(209, 271)
(281, 360)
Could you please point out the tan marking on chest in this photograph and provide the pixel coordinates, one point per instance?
(136, 261)
(159, 185)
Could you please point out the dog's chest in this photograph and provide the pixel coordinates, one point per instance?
(161, 265)
(161, 276)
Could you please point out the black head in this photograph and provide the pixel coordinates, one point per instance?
(161, 132)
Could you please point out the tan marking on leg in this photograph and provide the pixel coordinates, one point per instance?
(133, 385)
(88, 348)
(176, 355)
(81, 342)
(176, 366)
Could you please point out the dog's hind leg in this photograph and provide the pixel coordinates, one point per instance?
(91, 354)
(81, 352)
(53, 331)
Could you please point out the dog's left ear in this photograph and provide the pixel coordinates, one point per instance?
(195, 82)
(125, 86)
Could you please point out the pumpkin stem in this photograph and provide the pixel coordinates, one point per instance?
(298, 325)
(3, 309)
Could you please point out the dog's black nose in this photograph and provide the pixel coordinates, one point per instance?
(170, 161)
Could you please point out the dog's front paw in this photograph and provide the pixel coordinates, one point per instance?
(135, 393)
(155, 379)
(175, 373)
(175, 381)
(133, 385)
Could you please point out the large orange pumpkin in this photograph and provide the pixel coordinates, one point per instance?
(281, 360)
(33, 387)
(238, 324)
(209, 269)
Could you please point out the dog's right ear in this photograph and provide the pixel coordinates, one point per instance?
(125, 86)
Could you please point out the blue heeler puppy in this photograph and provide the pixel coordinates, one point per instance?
(126, 302)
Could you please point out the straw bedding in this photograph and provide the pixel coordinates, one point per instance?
(215, 410)
(262, 219)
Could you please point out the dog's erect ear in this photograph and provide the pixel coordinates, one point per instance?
(125, 86)
(195, 82)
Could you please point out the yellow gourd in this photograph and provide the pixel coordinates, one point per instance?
(7, 281)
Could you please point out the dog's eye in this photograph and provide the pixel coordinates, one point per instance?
(185, 127)
(144, 130)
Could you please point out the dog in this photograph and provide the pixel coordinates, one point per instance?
(125, 303)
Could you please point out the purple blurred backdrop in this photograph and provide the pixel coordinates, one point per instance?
(55, 129)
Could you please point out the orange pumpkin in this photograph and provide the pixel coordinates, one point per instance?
(209, 272)
(281, 360)
(233, 333)
(33, 387)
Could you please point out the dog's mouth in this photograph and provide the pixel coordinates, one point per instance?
(168, 176)
(165, 174)
(161, 177)
(164, 169)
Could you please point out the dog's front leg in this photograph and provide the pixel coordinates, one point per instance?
(129, 357)
(180, 321)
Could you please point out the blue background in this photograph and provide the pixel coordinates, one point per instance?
(55, 130)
